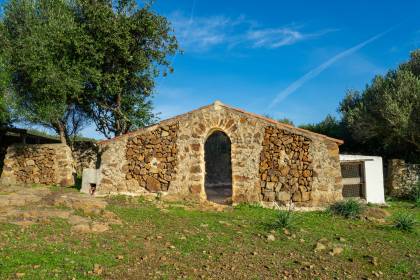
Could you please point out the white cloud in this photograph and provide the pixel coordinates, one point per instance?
(200, 34)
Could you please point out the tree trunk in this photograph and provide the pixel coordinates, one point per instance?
(62, 133)
(118, 129)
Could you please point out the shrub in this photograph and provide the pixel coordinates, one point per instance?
(349, 209)
(404, 222)
(285, 219)
(415, 195)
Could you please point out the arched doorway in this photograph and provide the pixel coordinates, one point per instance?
(218, 181)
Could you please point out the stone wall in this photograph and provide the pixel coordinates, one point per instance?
(327, 184)
(402, 178)
(285, 166)
(44, 164)
(85, 155)
(151, 158)
(269, 161)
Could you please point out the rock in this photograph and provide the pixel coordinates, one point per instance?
(284, 171)
(23, 223)
(79, 201)
(319, 247)
(109, 215)
(119, 257)
(375, 214)
(99, 227)
(336, 251)
(306, 196)
(20, 274)
(372, 260)
(81, 228)
(306, 173)
(297, 196)
(74, 220)
(286, 231)
(271, 237)
(269, 196)
(97, 269)
(283, 196)
(152, 184)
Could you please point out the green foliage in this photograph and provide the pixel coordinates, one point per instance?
(245, 205)
(282, 120)
(384, 118)
(387, 113)
(200, 238)
(404, 222)
(5, 118)
(286, 121)
(46, 61)
(415, 194)
(128, 50)
(329, 126)
(285, 219)
(75, 61)
(349, 209)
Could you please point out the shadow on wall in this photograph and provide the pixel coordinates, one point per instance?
(86, 155)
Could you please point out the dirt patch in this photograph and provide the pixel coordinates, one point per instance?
(25, 206)
(375, 214)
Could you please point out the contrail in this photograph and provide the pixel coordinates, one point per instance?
(316, 71)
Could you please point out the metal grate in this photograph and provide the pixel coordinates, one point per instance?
(353, 190)
(353, 179)
(351, 170)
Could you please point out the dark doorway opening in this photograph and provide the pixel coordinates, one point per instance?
(218, 182)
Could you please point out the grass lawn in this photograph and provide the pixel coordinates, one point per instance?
(162, 240)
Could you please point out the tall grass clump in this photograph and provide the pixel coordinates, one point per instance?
(415, 195)
(349, 209)
(284, 219)
(404, 222)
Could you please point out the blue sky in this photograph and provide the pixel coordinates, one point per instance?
(290, 59)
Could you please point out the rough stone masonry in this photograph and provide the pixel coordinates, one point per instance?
(50, 164)
(270, 161)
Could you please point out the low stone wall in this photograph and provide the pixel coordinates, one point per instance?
(44, 164)
(85, 155)
(402, 177)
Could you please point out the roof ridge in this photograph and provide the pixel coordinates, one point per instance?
(216, 104)
(339, 141)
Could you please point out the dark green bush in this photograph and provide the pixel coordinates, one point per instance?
(404, 222)
(349, 209)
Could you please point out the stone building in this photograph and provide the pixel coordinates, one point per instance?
(225, 155)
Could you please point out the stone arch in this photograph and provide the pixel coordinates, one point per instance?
(218, 167)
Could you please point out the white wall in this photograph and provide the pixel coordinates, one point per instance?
(374, 176)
